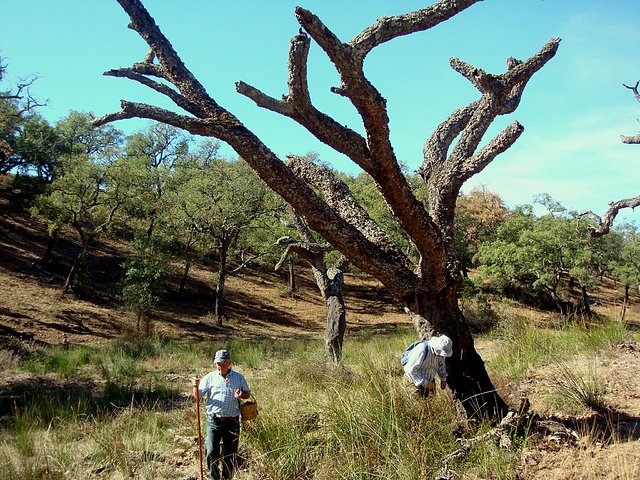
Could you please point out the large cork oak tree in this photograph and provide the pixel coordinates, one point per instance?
(428, 288)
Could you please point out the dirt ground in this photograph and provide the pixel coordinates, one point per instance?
(33, 310)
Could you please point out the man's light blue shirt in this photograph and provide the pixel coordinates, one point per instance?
(220, 393)
(423, 365)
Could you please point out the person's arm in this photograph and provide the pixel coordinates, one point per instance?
(442, 371)
(244, 391)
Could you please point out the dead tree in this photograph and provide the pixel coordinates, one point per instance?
(604, 225)
(330, 280)
(427, 289)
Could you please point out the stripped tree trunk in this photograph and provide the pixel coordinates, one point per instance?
(330, 282)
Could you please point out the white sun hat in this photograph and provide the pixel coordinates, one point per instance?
(442, 345)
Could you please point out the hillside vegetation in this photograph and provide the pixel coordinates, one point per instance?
(77, 372)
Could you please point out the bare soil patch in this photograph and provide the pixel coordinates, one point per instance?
(32, 306)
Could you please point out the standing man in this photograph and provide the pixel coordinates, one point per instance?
(425, 360)
(222, 389)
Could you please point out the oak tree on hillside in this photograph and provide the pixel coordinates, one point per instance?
(220, 201)
(428, 288)
(17, 109)
(157, 150)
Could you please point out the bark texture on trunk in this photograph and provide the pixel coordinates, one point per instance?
(292, 278)
(330, 282)
(468, 377)
(336, 315)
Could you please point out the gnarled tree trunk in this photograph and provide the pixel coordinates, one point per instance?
(436, 314)
(330, 282)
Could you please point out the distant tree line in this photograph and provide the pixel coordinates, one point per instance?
(180, 202)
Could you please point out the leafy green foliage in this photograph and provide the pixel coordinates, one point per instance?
(545, 255)
(145, 278)
(478, 214)
(217, 206)
(627, 267)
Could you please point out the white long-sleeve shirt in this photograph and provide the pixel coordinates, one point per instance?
(423, 365)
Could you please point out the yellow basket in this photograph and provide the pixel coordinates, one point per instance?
(249, 409)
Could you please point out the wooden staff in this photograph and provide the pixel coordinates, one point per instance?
(196, 394)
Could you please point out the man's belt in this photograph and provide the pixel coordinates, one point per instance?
(225, 419)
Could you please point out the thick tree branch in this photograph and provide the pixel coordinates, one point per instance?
(500, 95)
(173, 69)
(363, 95)
(312, 253)
(614, 207)
(141, 110)
(489, 152)
(382, 166)
(338, 197)
(388, 28)
(298, 106)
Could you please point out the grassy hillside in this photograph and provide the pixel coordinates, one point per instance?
(74, 373)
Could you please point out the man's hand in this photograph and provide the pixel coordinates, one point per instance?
(443, 383)
(241, 395)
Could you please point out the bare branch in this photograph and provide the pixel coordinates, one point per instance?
(388, 28)
(150, 69)
(141, 110)
(483, 81)
(263, 100)
(173, 68)
(338, 197)
(634, 89)
(298, 106)
(610, 215)
(489, 152)
(501, 95)
(635, 140)
(363, 95)
(158, 87)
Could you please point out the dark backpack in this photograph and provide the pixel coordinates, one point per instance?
(405, 354)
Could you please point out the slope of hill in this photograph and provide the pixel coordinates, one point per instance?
(33, 307)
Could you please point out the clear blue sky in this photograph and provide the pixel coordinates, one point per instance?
(573, 111)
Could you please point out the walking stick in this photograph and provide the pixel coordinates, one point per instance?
(196, 393)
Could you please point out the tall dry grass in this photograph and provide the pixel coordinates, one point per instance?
(359, 422)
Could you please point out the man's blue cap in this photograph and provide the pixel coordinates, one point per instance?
(221, 356)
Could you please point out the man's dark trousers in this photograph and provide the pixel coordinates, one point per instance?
(227, 430)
